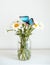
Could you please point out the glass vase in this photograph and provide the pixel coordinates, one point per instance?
(24, 50)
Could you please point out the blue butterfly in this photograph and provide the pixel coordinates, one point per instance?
(27, 20)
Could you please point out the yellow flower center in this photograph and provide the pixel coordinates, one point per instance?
(16, 25)
(35, 25)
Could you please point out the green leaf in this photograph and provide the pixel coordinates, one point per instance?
(10, 30)
(23, 25)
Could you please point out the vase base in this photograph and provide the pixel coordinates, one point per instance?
(24, 54)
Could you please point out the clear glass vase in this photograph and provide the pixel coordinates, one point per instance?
(24, 50)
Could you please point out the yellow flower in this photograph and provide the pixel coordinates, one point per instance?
(15, 25)
(35, 25)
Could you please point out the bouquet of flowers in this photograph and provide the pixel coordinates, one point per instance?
(23, 28)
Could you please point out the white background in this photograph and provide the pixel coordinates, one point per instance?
(38, 9)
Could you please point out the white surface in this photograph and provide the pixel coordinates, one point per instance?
(39, 57)
(38, 9)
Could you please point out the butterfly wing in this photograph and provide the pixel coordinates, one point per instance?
(24, 18)
(31, 21)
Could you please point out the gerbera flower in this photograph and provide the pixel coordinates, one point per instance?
(16, 25)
